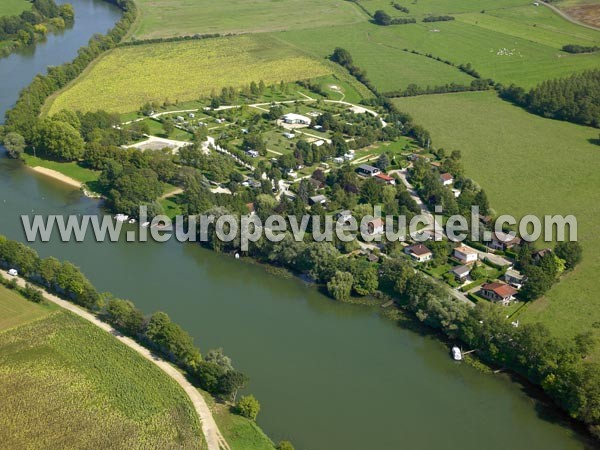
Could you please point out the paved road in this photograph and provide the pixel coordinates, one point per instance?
(212, 434)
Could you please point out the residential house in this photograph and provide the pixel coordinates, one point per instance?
(367, 171)
(539, 254)
(498, 292)
(374, 226)
(446, 179)
(320, 199)
(503, 241)
(289, 135)
(316, 183)
(344, 216)
(418, 252)
(295, 119)
(382, 177)
(514, 278)
(338, 160)
(252, 153)
(461, 272)
(465, 255)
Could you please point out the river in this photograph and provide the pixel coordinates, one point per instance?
(329, 376)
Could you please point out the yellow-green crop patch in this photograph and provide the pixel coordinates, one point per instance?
(127, 77)
(65, 383)
(168, 18)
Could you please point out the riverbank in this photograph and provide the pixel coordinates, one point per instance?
(58, 176)
(214, 438)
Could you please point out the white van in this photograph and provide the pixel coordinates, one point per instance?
(13, 273)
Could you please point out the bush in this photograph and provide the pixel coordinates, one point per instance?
(248, 407)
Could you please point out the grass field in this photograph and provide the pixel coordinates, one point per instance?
(240, 433)
(13, 7)
(15, 311)
(125, 78)
(528, 165)
(374, 49)
(167, 18)
(66, 384)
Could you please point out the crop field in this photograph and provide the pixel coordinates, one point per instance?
(127, 77)
(13, 7)
(15, 311)
(66, 384)
(528, 165)
(167, 18)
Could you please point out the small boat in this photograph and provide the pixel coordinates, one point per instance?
(131, 220)
(456, 354)
(121, 218)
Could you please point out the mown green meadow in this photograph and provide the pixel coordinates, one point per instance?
(168, 18)
(508, 51)
(66, 384)
(13, 7)
(528, 165)
(15, 311)
(125, 78)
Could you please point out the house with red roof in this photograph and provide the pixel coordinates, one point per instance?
(498, 292)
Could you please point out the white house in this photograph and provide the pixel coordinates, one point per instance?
(465, 255)
(295, 119)
(252, 153)
(374, 226)
(289, 135)
(498, 292)
(367, 171)
(446, 179)
(418, 252)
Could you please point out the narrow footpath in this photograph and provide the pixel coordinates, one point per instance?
(212, 434)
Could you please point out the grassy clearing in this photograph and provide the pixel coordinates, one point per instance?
(70, 169)
(13, 7)
(66, 384)
(514, 44)
(127, 77)
(15, 311)
(240, 433)
(375, 50)
(528, 165)
(167, 18)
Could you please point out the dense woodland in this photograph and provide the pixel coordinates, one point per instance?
(33, 24)
(574, 99)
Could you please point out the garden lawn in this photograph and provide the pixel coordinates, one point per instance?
(127, 77)
(65, 383)
(168, 18)
(528, 165)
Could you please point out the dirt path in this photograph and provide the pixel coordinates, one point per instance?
(565, 16)
(212, 434)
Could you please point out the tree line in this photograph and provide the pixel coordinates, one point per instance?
(574, 99)
(214, 372)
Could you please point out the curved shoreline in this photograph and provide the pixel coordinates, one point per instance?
(56, 175)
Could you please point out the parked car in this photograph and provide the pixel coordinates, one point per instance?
(13, 273)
